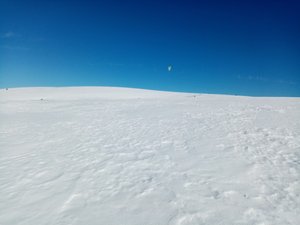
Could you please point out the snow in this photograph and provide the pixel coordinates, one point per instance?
(103, 155)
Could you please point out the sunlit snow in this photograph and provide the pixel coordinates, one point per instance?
(118, 156)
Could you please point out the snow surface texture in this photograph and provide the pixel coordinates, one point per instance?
(114, 156)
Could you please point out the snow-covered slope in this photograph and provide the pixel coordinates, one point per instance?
(136, 157)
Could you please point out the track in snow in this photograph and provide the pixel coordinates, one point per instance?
(137, 157)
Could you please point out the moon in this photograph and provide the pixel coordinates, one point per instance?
(169, 68)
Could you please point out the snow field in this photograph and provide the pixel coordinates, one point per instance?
(137, 157)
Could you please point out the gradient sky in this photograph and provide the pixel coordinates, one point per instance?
(225, 47)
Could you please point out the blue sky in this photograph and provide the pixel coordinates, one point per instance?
(225, 47)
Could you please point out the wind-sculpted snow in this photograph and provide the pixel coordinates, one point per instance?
(134, 157)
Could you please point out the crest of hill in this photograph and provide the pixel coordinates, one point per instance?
(77, 93)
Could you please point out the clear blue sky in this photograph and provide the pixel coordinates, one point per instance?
(231, 47)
